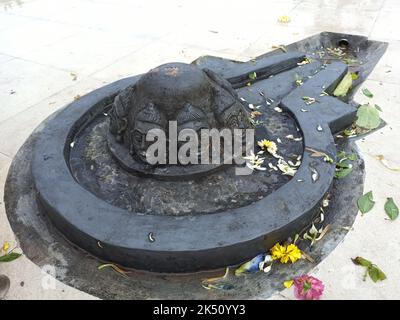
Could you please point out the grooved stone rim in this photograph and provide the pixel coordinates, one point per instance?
(188, 243)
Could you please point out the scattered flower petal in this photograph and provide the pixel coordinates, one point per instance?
(268, 145)
(309, 100)
(6, 246)
(285, 168)
(250, 266)
(308, 288)
(285, 253)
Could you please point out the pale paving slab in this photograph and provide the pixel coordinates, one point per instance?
(4, 58)
(10, 21)
(388, 68)
(387, 25)
(24, 37)
(24, 83)
(317, 17)
(153, 55)
(87, 52)
(15, 130)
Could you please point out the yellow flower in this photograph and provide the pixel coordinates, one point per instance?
(287, 284)
(6, 246)
(286, 253)
(269, 145)
(284, 19)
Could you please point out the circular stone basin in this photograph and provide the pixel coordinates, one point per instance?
(187, 225)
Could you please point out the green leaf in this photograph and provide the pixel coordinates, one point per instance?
(350, 61)
(253, 76)
(372, 270)
(378, 107)
(391, 209)
(341, 154)
(368, 117)
(10, 257)
(343, 86)
(343, 165)
(365, 203)
(376, 274)
(360, 261)
(367, 93)
(352, 157)
(343, 172)
(349, 132)
(354, 76)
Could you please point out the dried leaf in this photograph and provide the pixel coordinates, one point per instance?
(215, 279)
(115, 268)
(307, 257)
(382, 159)
(217, 286)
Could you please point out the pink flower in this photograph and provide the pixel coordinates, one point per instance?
(308, 288)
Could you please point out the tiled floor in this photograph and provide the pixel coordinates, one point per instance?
(51, 51)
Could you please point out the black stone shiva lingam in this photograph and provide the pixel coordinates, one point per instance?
(193, 98)
(92, 178)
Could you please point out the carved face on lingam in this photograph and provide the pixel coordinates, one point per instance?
(196, 99)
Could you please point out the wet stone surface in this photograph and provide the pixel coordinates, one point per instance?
(94, 167)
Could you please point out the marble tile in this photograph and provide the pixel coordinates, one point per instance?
(351, 6)
(15, 130)
(21, 40)
(388, 68)
(4, 58)
(391, 5)
(152, 56)
(88, 51)
(119, 17)
(387, 26)
(317, 18)
(8, 21)
(24, 83)
(279, 35)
